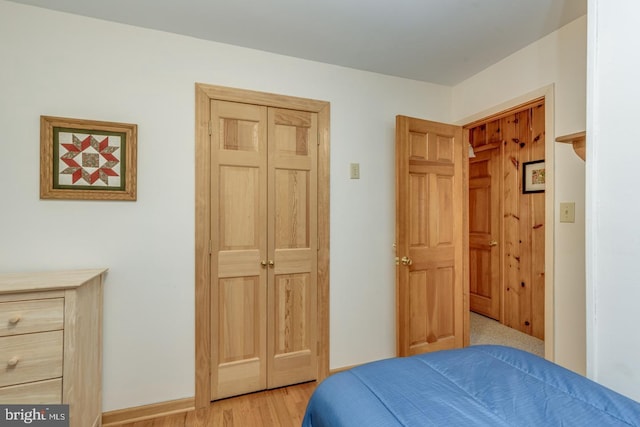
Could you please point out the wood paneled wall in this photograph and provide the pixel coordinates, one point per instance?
(521, 134)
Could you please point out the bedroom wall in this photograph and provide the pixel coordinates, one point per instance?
(613, 207)
(558, 60)
(64, 65)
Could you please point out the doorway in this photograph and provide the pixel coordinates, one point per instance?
(511, 227)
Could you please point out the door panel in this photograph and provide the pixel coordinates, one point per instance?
(430, 224)
(239, 244)
(239, 231)
(240, 357)
(292, 217)
(484, 232)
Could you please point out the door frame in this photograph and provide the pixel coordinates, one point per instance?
(204, 93)
(546, 92)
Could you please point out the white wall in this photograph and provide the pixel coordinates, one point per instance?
(64, 65)
(613, 207)
(559, 60)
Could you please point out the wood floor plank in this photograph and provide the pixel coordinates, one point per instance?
(283, 407)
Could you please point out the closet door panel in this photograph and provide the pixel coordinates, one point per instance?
(294, 314)
(239, 247)
(292, 221)
(239, 352)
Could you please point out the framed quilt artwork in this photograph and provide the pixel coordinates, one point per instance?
(87, 160)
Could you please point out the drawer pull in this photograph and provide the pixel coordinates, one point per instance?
(14, 320)
(13, 361)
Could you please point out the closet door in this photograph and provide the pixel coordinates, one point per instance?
(239, 248)
(264, 248)
(293, 247)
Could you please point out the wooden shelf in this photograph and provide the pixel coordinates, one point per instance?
(579, 143)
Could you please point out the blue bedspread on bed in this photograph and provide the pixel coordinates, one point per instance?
(476, 386)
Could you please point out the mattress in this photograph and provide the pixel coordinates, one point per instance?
(475, 386)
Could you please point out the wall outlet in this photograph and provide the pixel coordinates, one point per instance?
(567, 212)
(354, 170)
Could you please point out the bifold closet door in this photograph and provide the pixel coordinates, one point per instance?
(292, 236)
(239, 249)
(264, 248)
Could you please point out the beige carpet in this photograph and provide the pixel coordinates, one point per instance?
(488, 331)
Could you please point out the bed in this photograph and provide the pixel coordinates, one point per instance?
(484, 385)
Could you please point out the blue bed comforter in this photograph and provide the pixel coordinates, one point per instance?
(476, 386)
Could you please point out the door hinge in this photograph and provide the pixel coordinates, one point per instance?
(210, 128)
(210, 247)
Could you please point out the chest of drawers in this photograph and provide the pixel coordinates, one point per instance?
(51, 341)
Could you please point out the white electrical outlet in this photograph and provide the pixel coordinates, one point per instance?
(355, 170)
(567, 212)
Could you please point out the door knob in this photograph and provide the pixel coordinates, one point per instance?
(271, 263)
(263, 263)
(406, 261)
(493, 243)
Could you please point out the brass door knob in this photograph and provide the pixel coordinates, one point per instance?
(406, 261)
(493, 243)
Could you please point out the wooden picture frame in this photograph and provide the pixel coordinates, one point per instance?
(87, 159)
(533, 177)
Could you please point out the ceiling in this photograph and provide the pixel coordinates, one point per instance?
(438, 41)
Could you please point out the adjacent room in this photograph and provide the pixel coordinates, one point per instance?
(258, 224)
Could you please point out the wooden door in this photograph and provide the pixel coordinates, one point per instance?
(484, 231)
(264, 248)
(239, 249)
(293, 245)
(430, 228)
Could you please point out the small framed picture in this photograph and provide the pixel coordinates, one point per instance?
(87, 160)
(533, 177)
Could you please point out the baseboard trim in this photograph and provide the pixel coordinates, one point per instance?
(141, 413)
(344, 368)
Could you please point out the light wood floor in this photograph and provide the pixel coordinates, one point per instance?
(283, 407)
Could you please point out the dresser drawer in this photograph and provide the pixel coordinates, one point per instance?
(30, 357)
(38, 393)
(23, 317)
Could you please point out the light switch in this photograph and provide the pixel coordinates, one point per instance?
(355, 170)
(567, 212)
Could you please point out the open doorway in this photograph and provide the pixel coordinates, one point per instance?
(507, 230)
